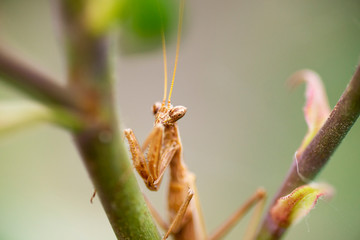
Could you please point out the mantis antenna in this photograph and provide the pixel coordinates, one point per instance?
(165, 64)
(181, 13)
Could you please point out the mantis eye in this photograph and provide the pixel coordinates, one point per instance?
(176, 113)
(156, 107)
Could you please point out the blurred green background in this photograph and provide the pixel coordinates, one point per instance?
(241, 129)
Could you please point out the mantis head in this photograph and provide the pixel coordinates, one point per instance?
(167, 114)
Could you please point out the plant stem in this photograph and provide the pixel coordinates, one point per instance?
(16, 115)
(100, 145)
(318, 152)
(34, 83)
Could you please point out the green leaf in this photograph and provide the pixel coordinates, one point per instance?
(102, 15)
(291, 208)
(142, 22)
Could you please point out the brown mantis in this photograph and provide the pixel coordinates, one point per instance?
(163, 147)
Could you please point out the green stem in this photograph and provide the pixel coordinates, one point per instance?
(16, 115)
(320, 149)
(100, 144)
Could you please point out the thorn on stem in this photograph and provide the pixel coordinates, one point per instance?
(92, 197)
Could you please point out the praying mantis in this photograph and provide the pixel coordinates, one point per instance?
(162, 149)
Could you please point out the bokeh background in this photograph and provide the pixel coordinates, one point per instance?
(241, 130)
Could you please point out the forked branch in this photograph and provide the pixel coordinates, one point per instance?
(102, 150)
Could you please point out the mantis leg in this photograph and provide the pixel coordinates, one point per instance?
(154, 151)
(150, 138)
(158, 159)
(159, 156)
(137, 155)
(257, 198)
(156, 215)
(165, 160)
(154, 140)
(180, 214)
(255, 219)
